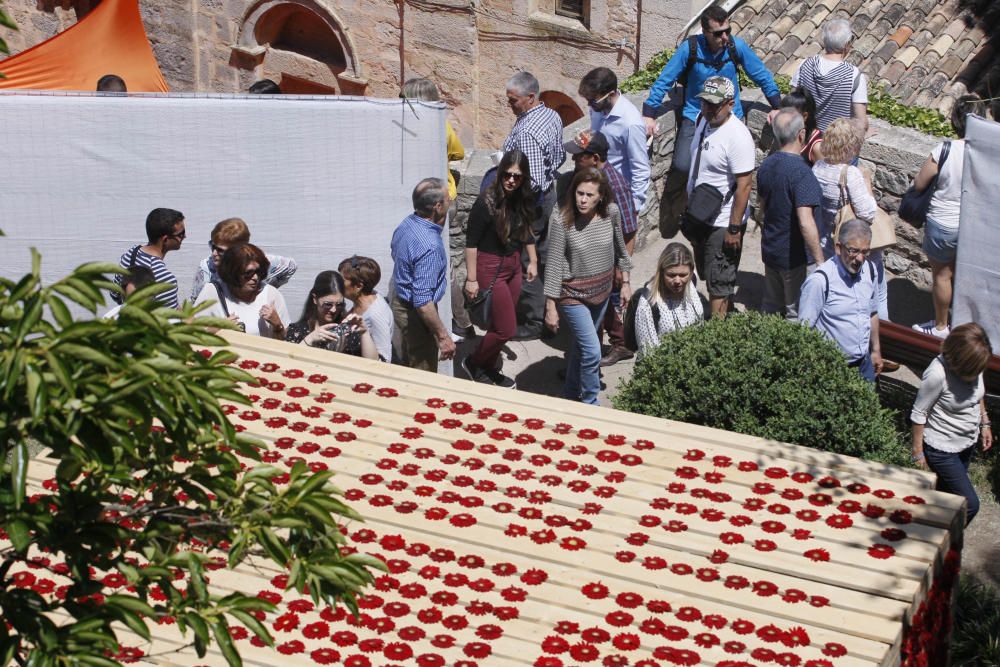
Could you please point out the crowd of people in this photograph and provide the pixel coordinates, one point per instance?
(547, 249)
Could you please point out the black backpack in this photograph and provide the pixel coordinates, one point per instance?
(717, 64)
(628, 319)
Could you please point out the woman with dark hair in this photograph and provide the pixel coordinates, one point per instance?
(672, 302)
(802, 101)
(499, 228)
(949, 414)
(941, 231)
(585, 246)
(323, 323)
(241, 295)
(361, 275)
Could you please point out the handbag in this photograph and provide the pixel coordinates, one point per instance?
(704, 203)
(480, 307)
(914, 204)
(883, 228)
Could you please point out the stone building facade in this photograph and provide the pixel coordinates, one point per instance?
(366, 47)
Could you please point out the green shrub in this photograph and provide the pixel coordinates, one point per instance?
(975, 640)
(763, 376)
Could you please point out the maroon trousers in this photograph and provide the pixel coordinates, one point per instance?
(506, 291)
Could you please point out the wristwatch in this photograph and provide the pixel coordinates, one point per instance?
(734, 229)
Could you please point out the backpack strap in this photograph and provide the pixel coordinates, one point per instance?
(131, 258)
(692, 43)
(734, 57)
(222, 297)
(945, 149)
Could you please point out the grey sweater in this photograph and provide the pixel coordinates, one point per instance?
(583, 250)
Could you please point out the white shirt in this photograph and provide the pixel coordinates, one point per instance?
(727, 150)
(379, 322)
(248, 313)
(674, 316)
(946, 202)
(862, 200)
(625, 131)
(948, 406)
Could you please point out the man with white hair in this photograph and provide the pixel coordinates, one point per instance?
(788, 194)
(840, 299)
(839, 88)
(537, 133)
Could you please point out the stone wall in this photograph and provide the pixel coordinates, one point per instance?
(893, 154)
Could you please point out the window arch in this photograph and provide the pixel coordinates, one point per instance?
(300, 43)
(563, 105)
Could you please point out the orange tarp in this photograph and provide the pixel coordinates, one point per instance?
(109, 40)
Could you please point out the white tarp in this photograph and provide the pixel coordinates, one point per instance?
(316, 178)
(977, 271)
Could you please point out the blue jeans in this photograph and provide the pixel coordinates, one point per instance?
(952, 469)
(583, 358)
(865, 366)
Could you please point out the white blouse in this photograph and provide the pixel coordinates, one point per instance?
(674, 316)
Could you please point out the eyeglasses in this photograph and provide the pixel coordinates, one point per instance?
(331, 305)
(720, 33)
(216, 248)
(857, 252)
(593, 103)
(250, 273)
(179, 235)
(512, 175)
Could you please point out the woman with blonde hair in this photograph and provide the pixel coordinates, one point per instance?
(949, 414)
(842, 183)
(671, 302)
(585, 246)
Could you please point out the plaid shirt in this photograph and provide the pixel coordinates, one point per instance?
(623, 197)
(538, 134)
(420, 261)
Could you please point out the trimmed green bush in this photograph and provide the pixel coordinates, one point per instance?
(763, 376)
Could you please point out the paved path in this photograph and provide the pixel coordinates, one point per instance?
(536, 364)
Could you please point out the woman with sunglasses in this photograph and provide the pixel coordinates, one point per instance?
(499, 229)
(323, 323)
(241, 295)
(586, 245)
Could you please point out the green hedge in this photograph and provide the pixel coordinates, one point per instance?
(764, 376)
(881, 103)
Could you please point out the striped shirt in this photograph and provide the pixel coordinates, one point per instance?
(420, 262)
(155, 264)
(834, 90)
(623, 198)
(576, 253)
(538, 134)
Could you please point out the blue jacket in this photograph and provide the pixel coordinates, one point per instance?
(749, 60)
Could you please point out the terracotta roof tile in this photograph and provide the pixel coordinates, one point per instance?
(805, 31)
(919, 49)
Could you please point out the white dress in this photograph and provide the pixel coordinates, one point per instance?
(674, 315)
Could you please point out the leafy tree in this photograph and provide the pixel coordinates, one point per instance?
(149, 485)
(760, 375)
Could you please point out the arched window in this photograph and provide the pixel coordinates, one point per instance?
(563, 105)
(302, 45)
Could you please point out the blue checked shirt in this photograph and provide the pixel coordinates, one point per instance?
(538, 134)
(419, 261)
(623, 127)
(623, 197)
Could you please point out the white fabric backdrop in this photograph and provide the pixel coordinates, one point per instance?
(977, 271)
(316, 178)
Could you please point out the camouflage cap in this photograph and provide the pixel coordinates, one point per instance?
(717, 89)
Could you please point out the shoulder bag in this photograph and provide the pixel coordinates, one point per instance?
(704, 203)
(914, 204)
(480, 307)
(883, 228)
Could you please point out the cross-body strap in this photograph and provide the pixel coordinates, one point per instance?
(701, 144)
(222, 298)
(845, 194)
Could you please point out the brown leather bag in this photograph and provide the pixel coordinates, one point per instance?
(883, 228)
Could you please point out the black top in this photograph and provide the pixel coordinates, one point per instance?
(481, 233)
(348, 340)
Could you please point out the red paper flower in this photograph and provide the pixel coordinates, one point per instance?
(742, 627)
(718, 556)
(893, 534)
(819, 555)
(807, 515)
(740, 520)
(706, 640)
(731, 538)
(555, 644)
(291, 648)
(839, 521)
(362, 388)
(619, 619)
(681, 569)
(772, 526)
(675, 633)
(736, 582)
(901, 517)
(765, 545)
(325, 656)
(595, 590)
(625, 556)
(834, 650)
(675, 526)
(764, 588)
(881, 551)
(794, 596)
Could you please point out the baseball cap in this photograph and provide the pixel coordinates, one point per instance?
(588, 142)
(717, 89)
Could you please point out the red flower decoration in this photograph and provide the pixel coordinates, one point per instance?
(731, 538)
(619, 619)
(818, 555)
(839, 521)
(881, 551)
(742, 627)
(764, 545)
(595, 590)
(772, 526)
(893, 534)
(901, 517)
(834, 650)
(362, 388)
(718, 556)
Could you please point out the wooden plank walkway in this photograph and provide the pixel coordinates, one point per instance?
(523, 529)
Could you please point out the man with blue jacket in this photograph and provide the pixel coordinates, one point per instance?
(716, 52)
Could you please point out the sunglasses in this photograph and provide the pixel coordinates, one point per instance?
(512, 175)
(724, 31)
(180, 235)
(250, 273)
(215, 248)
(331, 305)
(593, 103)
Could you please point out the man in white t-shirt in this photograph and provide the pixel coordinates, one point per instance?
(722, 156)
(839, 88)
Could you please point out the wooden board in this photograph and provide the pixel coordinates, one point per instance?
(523, 529)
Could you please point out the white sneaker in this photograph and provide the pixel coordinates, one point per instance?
(929, 329)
